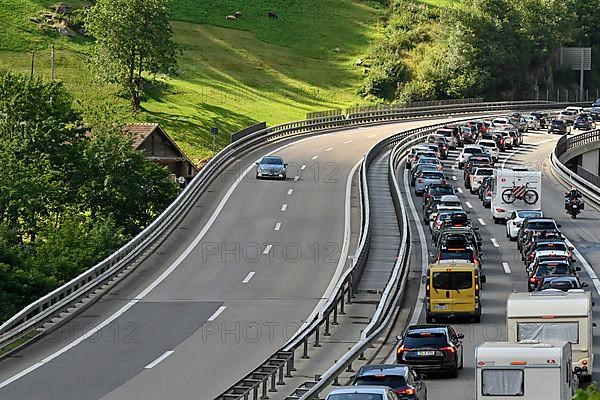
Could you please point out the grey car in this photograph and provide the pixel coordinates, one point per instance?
(362, 392)
(271, 167)
(426, 178)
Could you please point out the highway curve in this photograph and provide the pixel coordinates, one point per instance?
(502, 264)
(234, 280)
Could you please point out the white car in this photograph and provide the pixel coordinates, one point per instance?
(576, 109)
(568, 115)
(532, 122)
(467, 152)
(490, 147)
(513, 224)
(501, 122)
(477, 177)
(362, 392)
(533, 257)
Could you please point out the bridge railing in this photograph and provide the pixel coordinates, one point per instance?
(587, 182)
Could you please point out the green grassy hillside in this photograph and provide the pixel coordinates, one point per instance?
(231, 73)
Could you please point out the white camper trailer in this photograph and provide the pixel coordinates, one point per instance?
(554, 316)
(515, 189)
(527, 370)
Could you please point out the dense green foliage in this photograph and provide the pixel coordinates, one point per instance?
(132, 37)
(69, 195)
(490, 48)
(589, 393)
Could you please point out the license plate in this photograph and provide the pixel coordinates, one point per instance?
(425, 353)
(574, 205)
(440, 307)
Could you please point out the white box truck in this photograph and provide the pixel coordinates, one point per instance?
(527, 370)
(555, 316)
(515, 189)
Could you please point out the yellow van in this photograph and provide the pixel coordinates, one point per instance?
(453, 290)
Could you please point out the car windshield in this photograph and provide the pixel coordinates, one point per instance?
(540, 225)
(392, 381)
(355, 396)
(420, 339)
(455, 280)
(529, 214)
(272, 161)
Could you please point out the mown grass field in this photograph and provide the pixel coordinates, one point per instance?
(231, 73)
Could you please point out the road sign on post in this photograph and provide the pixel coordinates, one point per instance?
(214, 131)
(576, 59)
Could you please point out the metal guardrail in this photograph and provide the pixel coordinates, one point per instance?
(36, 314)
(588, 184)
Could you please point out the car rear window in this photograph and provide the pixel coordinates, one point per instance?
(529, 214)
(393, 381)
(485, 172)
(473, 150)
(418, 339)
(557, 123)
(541, 225)
(551, 246)
(433, 175)
(441, 190)
(553, 269)
(456, 255)
(456, 280)
(487, 144)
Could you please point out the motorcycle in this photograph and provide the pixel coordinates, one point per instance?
(574, 207)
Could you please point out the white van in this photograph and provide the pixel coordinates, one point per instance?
(527, 370)
(515, 189)
(555, 316)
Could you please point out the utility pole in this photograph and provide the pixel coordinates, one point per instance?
(32, 61)
(52, 64)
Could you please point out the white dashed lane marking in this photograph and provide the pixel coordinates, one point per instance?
(481, 221)
(248, 277)
(278, 226)
(494, 242)
(267, 249)
(284, 207)
(506, 268)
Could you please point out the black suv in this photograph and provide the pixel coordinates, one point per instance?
(549, 268)
(402, 379)
(431, 348)
(558, 126)
(535, 225)
(583, 121)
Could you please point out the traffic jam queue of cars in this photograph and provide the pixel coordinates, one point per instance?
(549, 348)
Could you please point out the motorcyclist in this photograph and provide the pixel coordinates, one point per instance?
(571, 195)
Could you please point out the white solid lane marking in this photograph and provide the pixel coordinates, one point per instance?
(424, 257)
(481, 221)
(329, 149)
(248, 277)
(468, 204)
(303, 166)
(453, 177)
(289, 193)
(348, 141)
(284, 207)
(315, 157)
(159, 359)
(494, 242)
(588, 268)
(459, 190)
(506, 268)
(278, 226)
(267, 249)
(216, 313)
(296, 178)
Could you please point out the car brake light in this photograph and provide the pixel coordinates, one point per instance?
(500, 209)
(450, 349)
(531, 256)
(534, 280)
(401, 349)
(407, 391)
(489, 193)
(420, 180)
(444, 181)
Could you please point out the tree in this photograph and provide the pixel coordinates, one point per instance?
(132, 37)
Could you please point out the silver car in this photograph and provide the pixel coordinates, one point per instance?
(426, 178)
(362, 392)
(271, 167)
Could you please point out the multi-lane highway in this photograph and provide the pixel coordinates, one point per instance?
(501, 263)
(240, 274)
